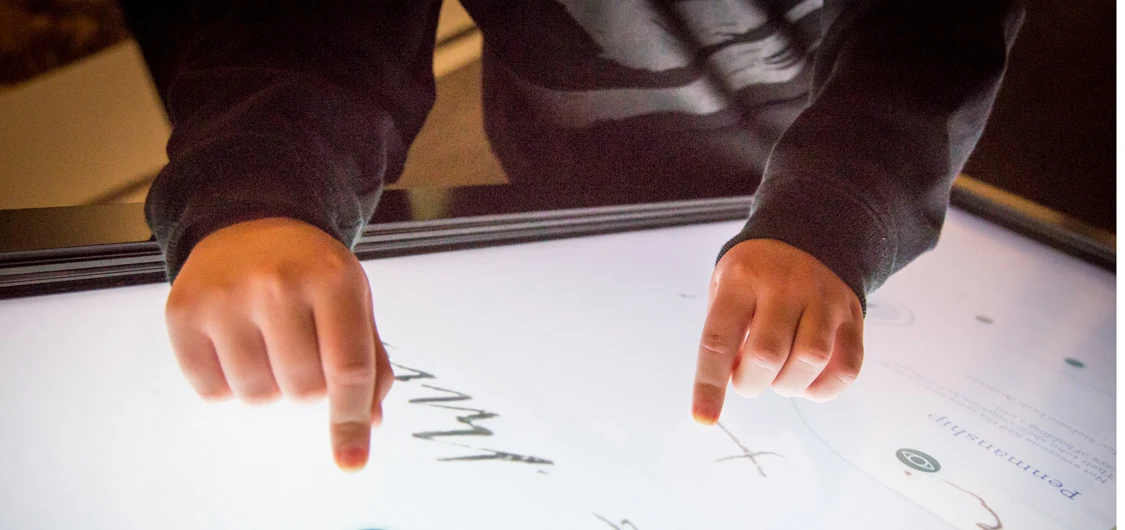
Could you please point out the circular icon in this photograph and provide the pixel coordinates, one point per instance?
(916, 459)
(888, 313)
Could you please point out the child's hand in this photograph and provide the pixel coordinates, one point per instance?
(777, 317)
(277, 306)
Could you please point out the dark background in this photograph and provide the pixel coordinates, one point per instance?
(1051, 137)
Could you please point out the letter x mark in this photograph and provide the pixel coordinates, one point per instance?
(746, 453)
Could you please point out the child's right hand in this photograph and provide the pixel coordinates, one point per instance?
(276, 306)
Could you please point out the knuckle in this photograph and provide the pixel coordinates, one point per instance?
(846, 376)
(731, 269)
(270, 284)
(831, 300)
(181, 306)
(177, 301)
(339, 269)
(816, 356)
(715, 346)
(351, 372)
(190, 305)
(708, 389)
(337, 259)
(719, 276)
(853, 305)
(767, 357)
(847, 372)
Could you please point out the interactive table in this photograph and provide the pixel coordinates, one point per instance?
(546, 384)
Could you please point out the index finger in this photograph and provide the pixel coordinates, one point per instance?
(724, 331)
(347, 351)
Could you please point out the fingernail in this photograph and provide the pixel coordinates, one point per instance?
(704, 415)
(351, 458)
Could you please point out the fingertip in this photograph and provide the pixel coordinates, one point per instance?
(352, 458)
(706, 410)
(704, 416)
(707, 402)
(351, 442)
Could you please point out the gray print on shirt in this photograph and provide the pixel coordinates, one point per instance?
(740, 44)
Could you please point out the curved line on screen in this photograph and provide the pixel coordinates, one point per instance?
(857, 468)
(998, 526)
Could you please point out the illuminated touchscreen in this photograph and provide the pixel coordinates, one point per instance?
(547, 385)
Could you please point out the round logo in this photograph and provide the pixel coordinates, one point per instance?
(888, 313)
(918, 460)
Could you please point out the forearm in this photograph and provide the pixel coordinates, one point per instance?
(285, 109)
(901, 94)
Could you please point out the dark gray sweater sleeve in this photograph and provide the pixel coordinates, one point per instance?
(901, 92)
(280, 108)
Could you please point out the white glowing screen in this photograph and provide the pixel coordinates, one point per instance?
(986, 400)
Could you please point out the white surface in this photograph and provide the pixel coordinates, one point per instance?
(585, 348)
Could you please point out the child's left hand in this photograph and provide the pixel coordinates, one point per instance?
(778, 318)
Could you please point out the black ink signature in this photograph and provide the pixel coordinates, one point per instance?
(625, 524)
(474, 415)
